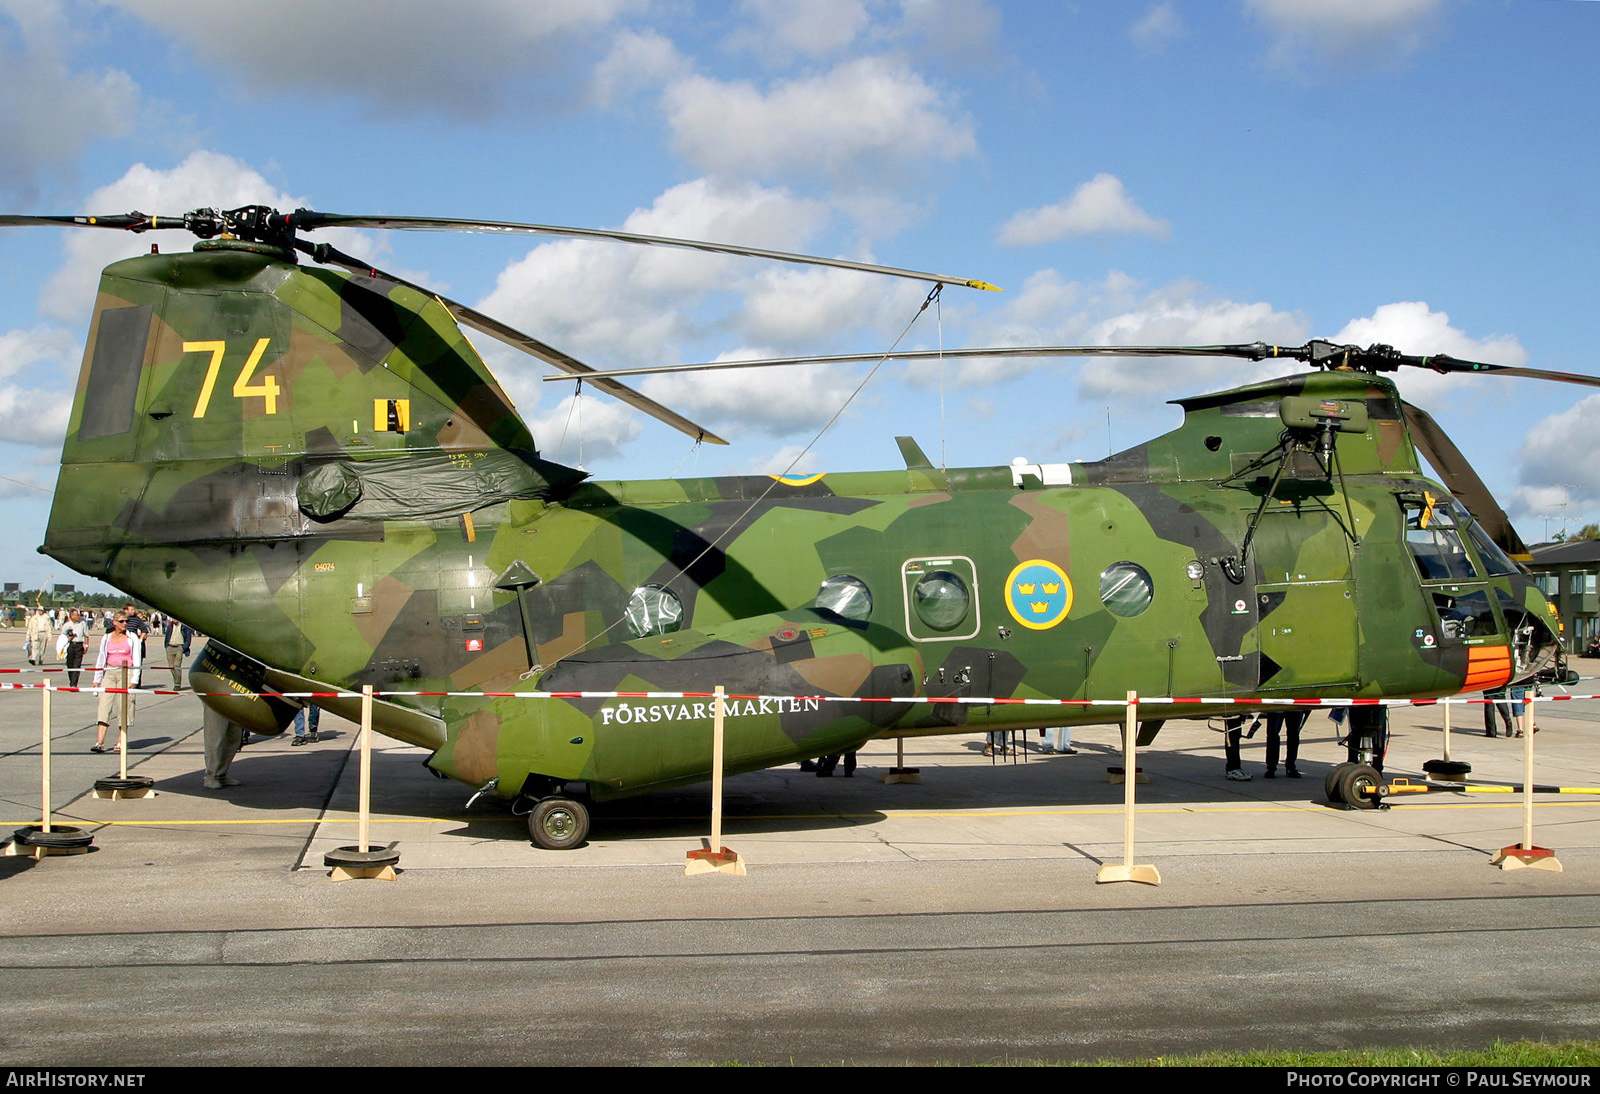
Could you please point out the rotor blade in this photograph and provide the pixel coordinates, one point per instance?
(1446, 363)
(133, 222)
(308, 220)
(1252, 351)
(514, 338)
(1464, 482)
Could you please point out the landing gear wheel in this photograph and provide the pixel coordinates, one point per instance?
(1356, 779)
(1330, 783)
(558, 824)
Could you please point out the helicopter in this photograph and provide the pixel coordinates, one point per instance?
(313, 465)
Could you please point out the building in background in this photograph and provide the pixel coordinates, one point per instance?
(1567, 573)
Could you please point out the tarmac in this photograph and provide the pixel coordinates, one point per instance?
(954, 921)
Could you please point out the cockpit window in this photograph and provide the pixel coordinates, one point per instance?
(1494, 559)
(1435, 542)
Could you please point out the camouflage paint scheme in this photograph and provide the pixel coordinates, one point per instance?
(351, 499)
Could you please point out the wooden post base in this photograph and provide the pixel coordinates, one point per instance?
(706, 861)
(1116, 776)
(1516, 857)
(353, 873)
(901, 775)
(15, 850)
(1146, 875)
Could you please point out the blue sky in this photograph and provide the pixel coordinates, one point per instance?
(1416, 172)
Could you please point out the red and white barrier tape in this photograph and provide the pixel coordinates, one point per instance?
(912, 700)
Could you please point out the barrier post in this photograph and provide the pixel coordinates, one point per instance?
(44, 839)
(713, 857)
(1526, 853)
(361, 861)
(1146, 874)
(900, 773)
(44, 760)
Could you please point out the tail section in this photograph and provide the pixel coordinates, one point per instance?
(235, 410)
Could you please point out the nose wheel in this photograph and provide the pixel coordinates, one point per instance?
(1355, 786)
(558, 824)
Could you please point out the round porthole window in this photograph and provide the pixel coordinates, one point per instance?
(941, 599)
(653, 609)
(845, 596)
(1125, 589)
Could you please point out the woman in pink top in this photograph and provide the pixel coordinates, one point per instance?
(116, 667)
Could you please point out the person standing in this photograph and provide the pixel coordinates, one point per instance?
(306, 717)
(38, 639)
(1060, 739)
(1232, 731)
(177, 637)
(1277, 723)
(75, 632)
(117, 666)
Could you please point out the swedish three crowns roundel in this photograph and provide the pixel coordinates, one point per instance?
(1038, 594)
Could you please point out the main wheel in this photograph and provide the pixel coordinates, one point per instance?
(558, 824)
(1330, 782)
(1357, 779)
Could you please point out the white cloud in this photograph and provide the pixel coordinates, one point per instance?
(34, 416)
(1157, 28)
(772, 401)
(22, 349)
(786, 460)
(782, 28)
(1554, 469)
(465, 58)
(1373, 31)
(635, 63)
(614, 304)
(50, 109)
(1099, 206)
(1413, 328)
(203, 179)
(867, 118)
(1120, 311)
(964, 32)
(580, 431)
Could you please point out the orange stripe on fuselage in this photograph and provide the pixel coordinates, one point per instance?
(1487, 667)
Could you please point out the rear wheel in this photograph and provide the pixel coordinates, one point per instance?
(558, 824)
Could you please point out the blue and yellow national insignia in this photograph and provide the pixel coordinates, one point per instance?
(798, 480)
(1038, 594)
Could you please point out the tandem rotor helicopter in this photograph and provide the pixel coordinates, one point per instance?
(311, 463)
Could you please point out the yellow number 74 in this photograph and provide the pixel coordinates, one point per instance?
(267, 388)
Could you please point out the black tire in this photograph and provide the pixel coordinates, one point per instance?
(1447, 767)
(132, 782)
(59, 836)
(361, 860)
(558, 824)
(1330, 783)
(1358, 778)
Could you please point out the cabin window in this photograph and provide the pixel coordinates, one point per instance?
(941, 599)
(845, 596)
(1435, 543)
(1126, 589)
(1463, 614)
(653, 609)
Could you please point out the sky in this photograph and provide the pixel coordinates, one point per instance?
(1421, 173)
